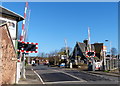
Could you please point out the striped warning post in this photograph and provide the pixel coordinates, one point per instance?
(22, 37)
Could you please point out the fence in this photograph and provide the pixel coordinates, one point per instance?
(112, 64)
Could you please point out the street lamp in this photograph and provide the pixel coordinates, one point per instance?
(110, 53)
(110, 47)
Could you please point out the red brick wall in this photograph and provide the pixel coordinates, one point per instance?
(8, 57)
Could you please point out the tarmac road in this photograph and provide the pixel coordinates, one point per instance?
(55, 75)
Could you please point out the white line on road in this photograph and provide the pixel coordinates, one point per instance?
(58, 82)
(39, 76)
(72, 76)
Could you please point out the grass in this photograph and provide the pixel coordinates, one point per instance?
(107, 71)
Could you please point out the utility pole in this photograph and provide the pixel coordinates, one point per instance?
(104, 57)
(110, 56)
(66, 52)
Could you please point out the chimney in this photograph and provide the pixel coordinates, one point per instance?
(86, 42)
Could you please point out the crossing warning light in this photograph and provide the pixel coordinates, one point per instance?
(27, 47)
(90, 53)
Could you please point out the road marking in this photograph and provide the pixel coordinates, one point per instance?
(58, 82)
(39, 76)
(72, 76)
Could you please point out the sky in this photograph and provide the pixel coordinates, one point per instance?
(52, 22)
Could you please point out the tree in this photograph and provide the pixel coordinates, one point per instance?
(54, 58)
(113, 51)
(42, 54)
(62, 51)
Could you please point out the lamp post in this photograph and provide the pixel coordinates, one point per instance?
(104, 57)
(110, 52)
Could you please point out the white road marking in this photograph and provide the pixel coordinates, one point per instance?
(39, 77)
(58, 82)
(72, 76)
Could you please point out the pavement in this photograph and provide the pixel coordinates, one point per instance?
(104, 73)
(31, 77)
(111, 73)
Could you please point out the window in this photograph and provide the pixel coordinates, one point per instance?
(2, 22)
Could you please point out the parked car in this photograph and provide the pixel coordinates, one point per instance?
(62, 65)
(33, 64)
(46, 63)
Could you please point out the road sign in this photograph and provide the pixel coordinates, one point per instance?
(90, 53)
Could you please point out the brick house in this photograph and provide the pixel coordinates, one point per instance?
(8, 45)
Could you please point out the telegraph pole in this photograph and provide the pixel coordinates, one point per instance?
(66, 51)
(66, 47)
(110, 56)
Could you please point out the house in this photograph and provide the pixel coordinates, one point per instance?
(12, 19)
(98, 48)
(79, 52)
(9, 70)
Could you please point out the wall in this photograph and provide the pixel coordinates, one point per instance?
(8, 57)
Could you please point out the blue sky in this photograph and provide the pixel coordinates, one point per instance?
(52, 22)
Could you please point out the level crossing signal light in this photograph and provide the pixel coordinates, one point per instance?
(27, 47)
(90, 53)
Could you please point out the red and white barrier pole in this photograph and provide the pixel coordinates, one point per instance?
(22, 37)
